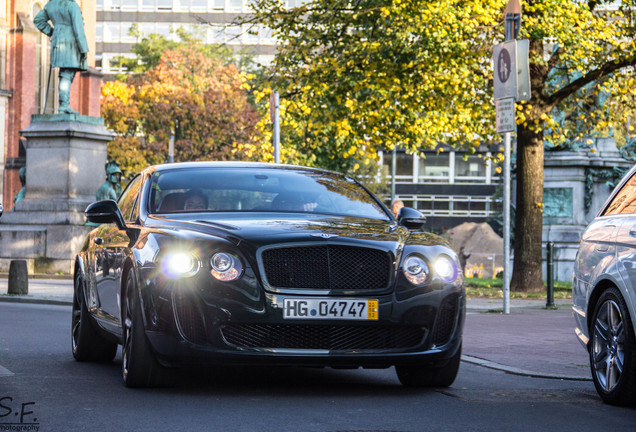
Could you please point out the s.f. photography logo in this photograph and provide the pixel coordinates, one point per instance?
(17, 416)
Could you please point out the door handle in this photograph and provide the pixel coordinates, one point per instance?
(98, 241)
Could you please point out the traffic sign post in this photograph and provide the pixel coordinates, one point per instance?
(511, 82)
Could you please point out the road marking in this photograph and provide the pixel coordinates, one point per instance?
(5, 372)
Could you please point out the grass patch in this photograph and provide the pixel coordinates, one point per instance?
(493, 288)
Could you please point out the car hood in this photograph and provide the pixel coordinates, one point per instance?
(272, 228)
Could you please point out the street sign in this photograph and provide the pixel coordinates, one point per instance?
(505, 111)
(505, 62)
(512, 77)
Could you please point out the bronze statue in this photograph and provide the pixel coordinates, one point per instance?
(68, 43)
(22, 192)
(111, 189)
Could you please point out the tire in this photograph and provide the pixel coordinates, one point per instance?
(432, 376)
(140, 367)
(87, 344)
(613, 350)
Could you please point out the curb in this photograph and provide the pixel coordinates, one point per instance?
(522, 372)
(20, 299)
(42, 276)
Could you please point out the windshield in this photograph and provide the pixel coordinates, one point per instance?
(248, 189)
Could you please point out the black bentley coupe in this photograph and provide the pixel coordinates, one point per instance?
(209, 263)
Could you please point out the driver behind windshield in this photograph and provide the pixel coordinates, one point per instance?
(195, 199)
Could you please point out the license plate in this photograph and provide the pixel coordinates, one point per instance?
(320, 308)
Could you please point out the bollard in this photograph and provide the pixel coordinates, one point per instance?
(18, 278)
(550, 275)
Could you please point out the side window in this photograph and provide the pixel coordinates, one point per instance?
(128, 199)
(625, 199)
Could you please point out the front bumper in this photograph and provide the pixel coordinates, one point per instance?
(191, 324)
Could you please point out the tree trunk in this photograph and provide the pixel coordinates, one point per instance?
(527, 274)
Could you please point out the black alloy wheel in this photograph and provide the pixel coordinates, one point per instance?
(87, 343)
(613, 350)
(140, 368)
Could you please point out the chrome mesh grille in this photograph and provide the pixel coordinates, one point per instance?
(329, 267)
(323, 337)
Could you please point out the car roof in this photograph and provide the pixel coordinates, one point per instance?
(234, 164)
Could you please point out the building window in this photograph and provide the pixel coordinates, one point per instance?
(129, 5)
(112, 4)
(235, 5)
(163, 29)
(112, 32)
(403, 168)
(126, 37)
(471, 170)
(164, 4)
(435, 168)
(198, 5)
(147, 28)
(99, 32)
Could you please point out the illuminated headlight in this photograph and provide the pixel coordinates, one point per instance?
(445, 268)
(226, 267)
(415, 270)
(178, 264)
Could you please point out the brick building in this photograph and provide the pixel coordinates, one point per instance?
(24, 73)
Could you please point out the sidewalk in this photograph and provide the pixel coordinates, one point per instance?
(530, 341)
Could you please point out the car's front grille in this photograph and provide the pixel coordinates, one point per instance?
(446, 319)
(323, 337)
(329, 267)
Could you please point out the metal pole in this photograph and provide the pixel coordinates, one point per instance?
(550, 275)
(512, 24)
(276, 127)
(171, 149)
(393, 169)
(506, 227)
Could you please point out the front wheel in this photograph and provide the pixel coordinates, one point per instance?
(87, 344)
(613, 350)
(140, 368)
(433, 376)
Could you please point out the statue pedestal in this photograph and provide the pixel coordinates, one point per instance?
(65, 158)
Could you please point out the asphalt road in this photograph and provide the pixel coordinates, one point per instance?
(44, 389)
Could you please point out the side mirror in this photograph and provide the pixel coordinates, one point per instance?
(106, 211)
(411, 218)
(1, 209)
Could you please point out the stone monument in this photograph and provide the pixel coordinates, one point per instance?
(575, 187)
(64, 153)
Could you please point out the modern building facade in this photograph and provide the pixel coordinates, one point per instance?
(450, 187)
(210, 20)
(25, 78)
